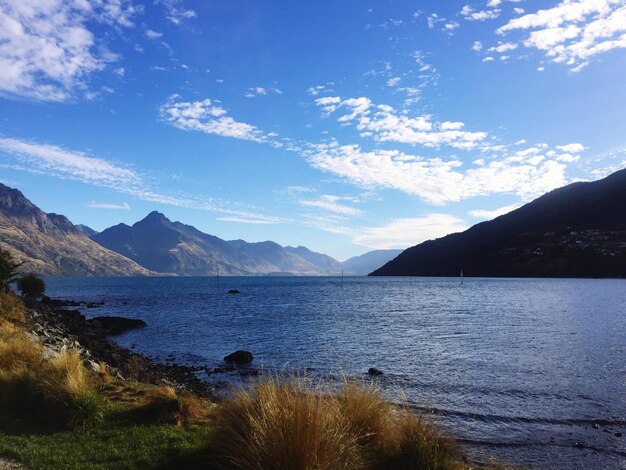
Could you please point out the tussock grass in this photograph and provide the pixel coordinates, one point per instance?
(53, 393)
(165, 405)
(289, 425)
(65, 376)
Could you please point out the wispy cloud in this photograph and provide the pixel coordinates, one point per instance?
(252, 219)
(331, 203)
(176, 13)
(105, 205)
(67, 164)
(574, 31)
(47, 52)
(405, 232)
(209, 117)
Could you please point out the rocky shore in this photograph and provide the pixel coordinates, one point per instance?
(58, 325)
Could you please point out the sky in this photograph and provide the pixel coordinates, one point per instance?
(343, 126)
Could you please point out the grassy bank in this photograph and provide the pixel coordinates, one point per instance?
(56, 413)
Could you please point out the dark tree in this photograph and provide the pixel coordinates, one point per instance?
(8, 270)
(31, 285)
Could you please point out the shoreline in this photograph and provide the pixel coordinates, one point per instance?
(58, 324)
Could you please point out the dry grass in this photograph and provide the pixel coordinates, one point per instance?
(288, 425)
(281, 426)
(17, 350)
(65, 376)
(11, 307)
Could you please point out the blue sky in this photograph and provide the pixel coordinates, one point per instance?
(342, 126)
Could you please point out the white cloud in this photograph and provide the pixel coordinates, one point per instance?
(261, 91)
(331, 203)
(105, 205)
(394, 81)
(46, 50)
(176, 12)
(208, 117)
(150, 34)
(503, 47)
(571, 148)
(477, 46)
(492, 214)
(526, 173)
(488, 59)
(574, 31)
(471, 15)
(385, 124)
(402, 233)
(434, 20)
(317, 89)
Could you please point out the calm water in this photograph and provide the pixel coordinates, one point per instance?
(519, 370)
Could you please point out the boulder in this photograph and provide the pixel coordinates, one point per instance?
(374, 371)
(239, 357)
(115, 325)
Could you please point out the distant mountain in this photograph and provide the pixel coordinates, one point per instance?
(575, 231)
(49, 244)
(169, 247)
(368, 262)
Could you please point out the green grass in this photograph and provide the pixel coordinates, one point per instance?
(140, 446)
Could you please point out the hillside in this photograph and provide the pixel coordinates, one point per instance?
(164, 246)
(575, 231)
(49, 244)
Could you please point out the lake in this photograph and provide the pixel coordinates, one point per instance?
(528, 371)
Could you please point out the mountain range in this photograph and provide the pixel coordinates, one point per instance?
(578, 230)
(169, 247)
(49, 244)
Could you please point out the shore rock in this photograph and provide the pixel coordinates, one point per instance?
(112, 326)
(239, 357)
(374, 371)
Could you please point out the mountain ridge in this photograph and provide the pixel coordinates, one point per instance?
(578, 230)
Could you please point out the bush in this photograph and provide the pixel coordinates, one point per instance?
(292, 426)
(31, 285)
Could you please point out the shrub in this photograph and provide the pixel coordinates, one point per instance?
(293, 426)
(31, 285)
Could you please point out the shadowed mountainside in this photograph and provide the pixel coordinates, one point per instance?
(49, 244)
(578, 230)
